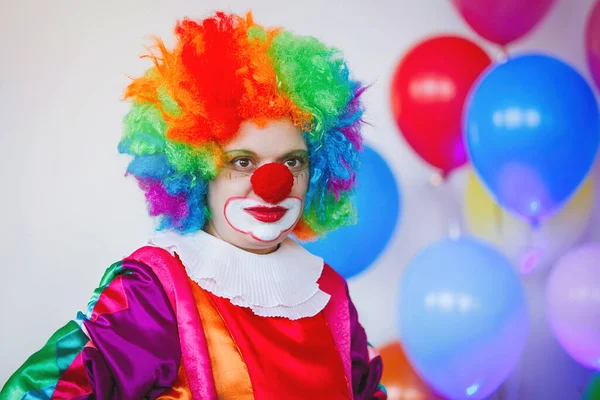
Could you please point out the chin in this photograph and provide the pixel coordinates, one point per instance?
(250, 243)
(258, 244)
(267, 243)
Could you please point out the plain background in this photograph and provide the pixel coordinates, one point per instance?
(68, 213)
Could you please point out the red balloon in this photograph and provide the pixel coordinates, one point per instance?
(502, 21)
(429, 88)
(592, 42)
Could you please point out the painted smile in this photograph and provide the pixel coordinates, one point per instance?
(263, 222)
(267, 214)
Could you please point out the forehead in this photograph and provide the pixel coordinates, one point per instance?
(275, 137)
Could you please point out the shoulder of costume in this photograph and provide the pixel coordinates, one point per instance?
(329, 270)
(153, 256)
(165, 266)
(332, 282)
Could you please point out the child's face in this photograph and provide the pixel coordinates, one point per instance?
(239, 215)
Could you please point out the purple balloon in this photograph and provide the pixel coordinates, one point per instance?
(592, 42)
(573, 303)
(502, 21)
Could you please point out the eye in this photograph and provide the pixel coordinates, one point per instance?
(242, 163)
(295, 163)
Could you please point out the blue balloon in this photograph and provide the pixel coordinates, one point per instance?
(532, 131)
(463, 317)
(352, 249)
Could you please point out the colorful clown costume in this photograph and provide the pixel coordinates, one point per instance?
(163, 324)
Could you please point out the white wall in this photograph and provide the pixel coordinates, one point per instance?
(69, 213)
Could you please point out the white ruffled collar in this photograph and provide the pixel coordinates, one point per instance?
(280, 284)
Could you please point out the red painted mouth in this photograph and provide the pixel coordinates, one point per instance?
(266, 214)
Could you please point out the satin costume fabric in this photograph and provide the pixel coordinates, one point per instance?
(151, 332)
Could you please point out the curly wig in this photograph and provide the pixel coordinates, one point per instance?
(222, 71)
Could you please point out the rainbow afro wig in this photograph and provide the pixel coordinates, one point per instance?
(224, 70)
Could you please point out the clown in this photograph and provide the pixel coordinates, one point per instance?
(241, 136)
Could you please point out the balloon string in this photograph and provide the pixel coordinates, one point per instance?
(451, 205)
(503, 55)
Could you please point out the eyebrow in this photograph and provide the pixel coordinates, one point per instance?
(296, 153)
(247, 153)
(238, 153)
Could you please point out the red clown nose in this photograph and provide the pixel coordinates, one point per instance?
(272, 182)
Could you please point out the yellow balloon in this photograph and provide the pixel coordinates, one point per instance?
(528, 248)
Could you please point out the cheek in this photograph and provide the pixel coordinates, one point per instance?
(224, 187)
(300, 187)
(213, 200)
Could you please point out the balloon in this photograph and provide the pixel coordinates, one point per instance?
(592, 42)
(532, 131)
(463, 317)
(399, 378)
(504, 21)
(428, 92)
(593, 390)
(525, 247)
(573, 303)
(352, 249)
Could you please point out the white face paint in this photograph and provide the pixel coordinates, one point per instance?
(264, 222)
(240, 216)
